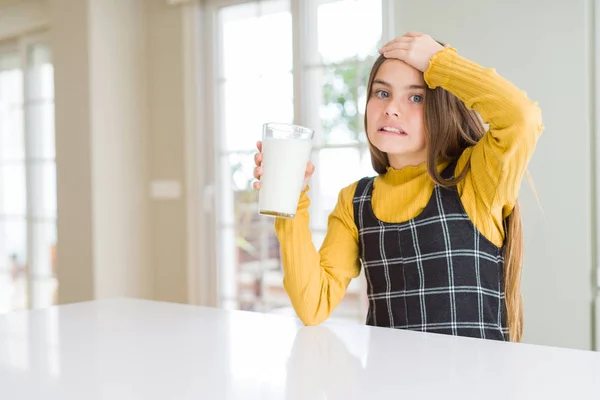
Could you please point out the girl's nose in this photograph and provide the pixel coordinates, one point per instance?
(392, 111)
(393, 108)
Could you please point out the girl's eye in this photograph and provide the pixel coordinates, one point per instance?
(382, 94)
(417, 98)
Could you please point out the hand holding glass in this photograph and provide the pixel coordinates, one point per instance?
(283, 168)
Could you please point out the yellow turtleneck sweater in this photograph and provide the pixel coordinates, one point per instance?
(316, 281)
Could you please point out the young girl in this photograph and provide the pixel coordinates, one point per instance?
(438, 231)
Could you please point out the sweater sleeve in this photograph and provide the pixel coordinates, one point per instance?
(499, 160)
(317, 281)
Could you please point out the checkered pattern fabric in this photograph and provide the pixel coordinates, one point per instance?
(434, 273)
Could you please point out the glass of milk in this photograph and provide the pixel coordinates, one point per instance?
(286, 151)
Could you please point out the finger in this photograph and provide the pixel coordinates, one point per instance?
(403, 39)
(400, 54)
(258, 172)
(396, 46)
(413, 34)
(258, 159)
(256, 185)
(259, 146)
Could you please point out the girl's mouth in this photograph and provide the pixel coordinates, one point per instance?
(390, 130)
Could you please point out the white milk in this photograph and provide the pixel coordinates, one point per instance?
(284, 166)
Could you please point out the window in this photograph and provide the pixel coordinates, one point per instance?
(27, 177)
(305, 62)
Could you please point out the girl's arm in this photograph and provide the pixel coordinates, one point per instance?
(499, 160)
(316, 281)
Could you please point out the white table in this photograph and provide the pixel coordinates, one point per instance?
(134, 349)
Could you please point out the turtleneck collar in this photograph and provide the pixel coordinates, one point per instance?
(409, 173)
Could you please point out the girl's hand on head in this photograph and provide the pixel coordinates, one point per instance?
(414, 48)
(258, 170)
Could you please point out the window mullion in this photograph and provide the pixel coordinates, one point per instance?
(306, 110)
(388, 30)
(297, 8)
(23, 49)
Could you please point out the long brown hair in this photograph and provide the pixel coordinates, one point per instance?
(450, 127)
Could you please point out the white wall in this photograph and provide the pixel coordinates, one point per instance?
(543, 47)
(69, 40)
(119, 131)
(101, 143)
(120, 124)
(167, 151)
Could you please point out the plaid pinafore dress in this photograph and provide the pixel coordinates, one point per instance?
(434, 273)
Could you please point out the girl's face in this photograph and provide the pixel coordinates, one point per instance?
(395, 113)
